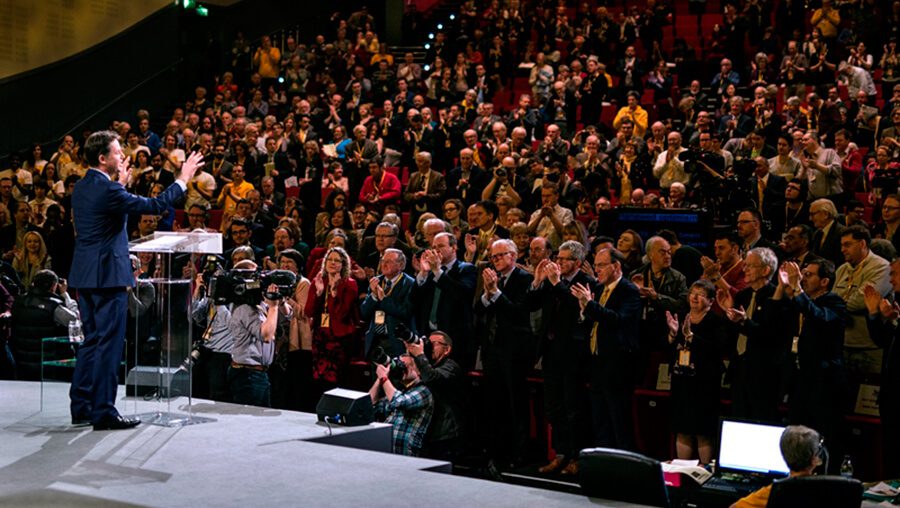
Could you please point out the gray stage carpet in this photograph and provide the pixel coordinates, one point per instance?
(246, 457)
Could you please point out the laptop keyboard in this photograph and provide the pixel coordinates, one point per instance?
(721, 485)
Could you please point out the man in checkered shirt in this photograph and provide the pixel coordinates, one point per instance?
(407, 407)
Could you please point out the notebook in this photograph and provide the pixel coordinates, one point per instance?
(749, 456)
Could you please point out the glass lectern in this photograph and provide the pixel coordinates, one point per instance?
(160, 360)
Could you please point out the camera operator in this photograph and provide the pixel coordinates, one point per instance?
(402, 400)
(215, 350)
(253, 328)
(444, 377)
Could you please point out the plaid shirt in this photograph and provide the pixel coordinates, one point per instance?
(409, 412)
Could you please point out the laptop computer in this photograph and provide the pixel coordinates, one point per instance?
(749, 457)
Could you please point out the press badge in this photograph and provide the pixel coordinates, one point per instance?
(326, 320)
(379, 317)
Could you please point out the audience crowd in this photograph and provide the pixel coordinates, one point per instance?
(472, 199)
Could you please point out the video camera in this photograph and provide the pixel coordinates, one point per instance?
(250, 286)
(692, 156)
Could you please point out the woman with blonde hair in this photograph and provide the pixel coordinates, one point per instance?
(33, 259)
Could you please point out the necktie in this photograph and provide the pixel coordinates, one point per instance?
(603, 298)
(742, 339)
(761, 187)
(432, 316)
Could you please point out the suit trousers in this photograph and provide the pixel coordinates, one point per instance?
(564, 393)
(612, 386)
(506, 383)
(95, 381)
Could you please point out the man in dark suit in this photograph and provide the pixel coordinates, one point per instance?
(768, 189)
(614, 319)
(507, 351)
(101, 271)
(882, 326)
(794, 210)
(444, 295)
(749, 228)
(816, 318)
(796, 246)
(564, 349)
(827, 238)
(466, 181)
(762, 342)
(388, 304)
(425, 189)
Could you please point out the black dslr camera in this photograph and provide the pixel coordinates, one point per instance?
(250, 286)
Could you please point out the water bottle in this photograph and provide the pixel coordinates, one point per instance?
(76, 335)
(847, 467)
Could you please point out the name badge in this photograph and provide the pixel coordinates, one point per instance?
(795, 345)
(269, 167)
(684, 358)
(326, 320)
(379, 317)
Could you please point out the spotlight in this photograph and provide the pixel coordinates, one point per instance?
(452, 17)
(440, 26)
(431, 36)
(427, 46)
(426, 68)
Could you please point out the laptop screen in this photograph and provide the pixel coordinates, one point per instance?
(751, 448)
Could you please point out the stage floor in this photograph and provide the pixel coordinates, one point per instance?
(247, 456)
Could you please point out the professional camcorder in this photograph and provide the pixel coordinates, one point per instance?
(250, 286)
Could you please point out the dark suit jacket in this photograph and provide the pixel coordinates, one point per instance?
(773, 195)
(506, 323)
(478, 180)
(100, 212)
(454, 312)
(619, 321)
(767, 340)
(560, 310)
(437, 186)
(397, 308)
(831, 248)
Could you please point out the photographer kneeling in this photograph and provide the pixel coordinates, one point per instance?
(444, 377)
(402, 400)
(253, 328)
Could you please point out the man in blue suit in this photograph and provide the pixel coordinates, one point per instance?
(388, 304)
(614, 319)
(101, 271)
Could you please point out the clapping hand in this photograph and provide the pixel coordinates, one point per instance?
(583, 293)
(736, 315)
(489, 277)
(872, 298)
(672, 322)
(377, 290)
(724, 299)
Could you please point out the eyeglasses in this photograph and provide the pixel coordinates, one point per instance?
(499, 255)
(600, 266)
(438, 343)
(384, 236)
(449, 209)
(566, 258)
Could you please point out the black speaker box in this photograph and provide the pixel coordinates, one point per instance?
(345, 407)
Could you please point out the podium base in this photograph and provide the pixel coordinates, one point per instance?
(164, 419)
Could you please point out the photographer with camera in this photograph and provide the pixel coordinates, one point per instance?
(401, 399)
(444, 377)
(44, 311)
(253, 328)
(217, 340)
